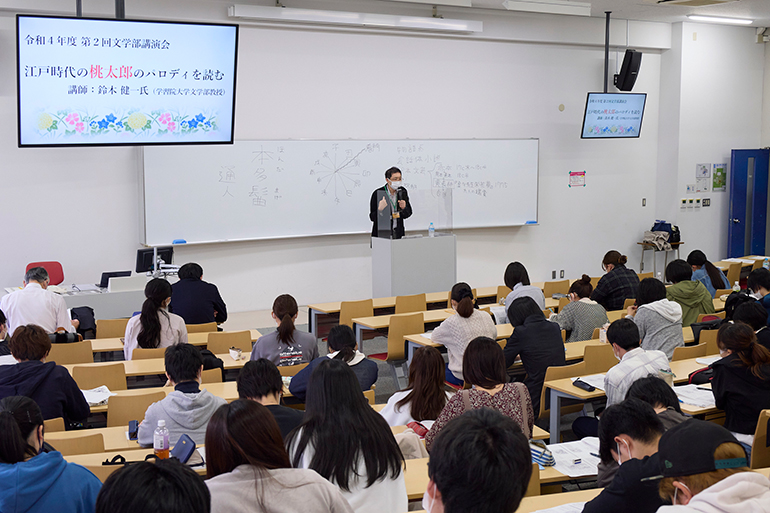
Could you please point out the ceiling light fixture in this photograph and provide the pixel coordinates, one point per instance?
(715, 19)
(386, 21)
(452, 3)
(549, 7)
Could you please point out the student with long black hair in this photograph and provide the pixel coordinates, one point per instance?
(347, 442)
(155, 326)
(249, 470)
(516, 278)
(287, 345)
(4, 338)
(425, 396)
(707, 273)
(33, 481)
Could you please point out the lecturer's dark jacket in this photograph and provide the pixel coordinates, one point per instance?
(384, 218)
(196, 301)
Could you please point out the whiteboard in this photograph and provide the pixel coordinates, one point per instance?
(296, 188)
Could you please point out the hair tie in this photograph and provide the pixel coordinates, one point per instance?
(466, 293)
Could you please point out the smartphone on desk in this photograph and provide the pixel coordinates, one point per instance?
(133, 430)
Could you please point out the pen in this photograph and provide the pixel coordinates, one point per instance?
(703, 388)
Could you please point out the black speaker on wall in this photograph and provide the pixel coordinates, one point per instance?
(626, 79)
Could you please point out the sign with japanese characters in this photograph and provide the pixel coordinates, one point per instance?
(96, 81)
(613, 115)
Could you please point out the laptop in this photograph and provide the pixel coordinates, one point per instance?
(112, 274)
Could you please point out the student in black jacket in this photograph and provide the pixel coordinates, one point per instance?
(4, 349)
(195, 300)
(755, 315)
(260, 380)
(46, 383)
(537, 341)
(741, 383)
(628, 434)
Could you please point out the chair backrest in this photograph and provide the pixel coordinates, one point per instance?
(555, 287)
(102, 472)
(220, 342)
(141, 353)
(629, 302)
(55, 271)
(123, 408)
(67, 354)
(291, 370)
(722, 292)
(685, 353)
(533, 489)
(563, 336)
(599, 358)
(502, 293)
(206, 327)
(760, 452)
(369, 394)
(414, 303)
(644, 276)
(564, 301)
(350, 310)
(552, 373)
(709, 337)
(88, 443)
(398, 328)
(595, 335)
(547, 313)
(711, 316)
(211, 376)
(734, 272)
(757, 264)
(54, 425)
(113, 376)
(111, 328)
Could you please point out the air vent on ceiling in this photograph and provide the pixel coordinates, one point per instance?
(694, 3)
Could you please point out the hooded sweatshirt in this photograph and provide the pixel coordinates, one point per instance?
(49, 385)
(186, 410)
(746, 492)
(694, 299)
(47, 483)
(660, 326)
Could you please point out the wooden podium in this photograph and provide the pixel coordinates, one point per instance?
(413, 265)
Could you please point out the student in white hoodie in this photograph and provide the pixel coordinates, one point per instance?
(658, 319)
(187, 409)
(705, 469)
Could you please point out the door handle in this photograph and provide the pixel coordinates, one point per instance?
(735, 220)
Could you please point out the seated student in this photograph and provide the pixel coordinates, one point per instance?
(342, 346)
(33, 481)
(704, 469)
(347, 442)
(164, 486)
(536, 341)
(248, 469)
(619, 284)
(517, 279)
(46, 383)
(480, 463)
(155, 326)
(755, 315)
(628, 434)
(261, 381)
(424, 398)
(4, 338)
(581, 316)
(707, 273)
(458, 330)
(658, 394)
(741, 382)
(286, 345)
(484, 368)
(187, 409)
(195, 300)
(35, 304)
(658, 319)
(759, 284)
(692, 296)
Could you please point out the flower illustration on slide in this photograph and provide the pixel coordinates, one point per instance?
(193, 123)
(110, 118)
(80, 127)
(45, 121)
(72, 118)
(137, 120)
(164, 118)
(171, 126)
(103, 123)
(199, 118)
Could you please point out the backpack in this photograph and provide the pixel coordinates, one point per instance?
(734, 300)
(674, 235)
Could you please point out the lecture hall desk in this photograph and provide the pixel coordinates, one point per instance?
(153, 366)
(104, 345)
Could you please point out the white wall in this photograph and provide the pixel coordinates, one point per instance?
(766, 100)
(82, 205)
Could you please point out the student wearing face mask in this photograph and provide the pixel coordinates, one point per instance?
(155, 326)
(33, 481)
(389, 206)
(628, 435)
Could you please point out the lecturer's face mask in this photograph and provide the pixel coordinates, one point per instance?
(395, 184)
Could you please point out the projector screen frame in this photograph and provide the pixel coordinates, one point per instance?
(585, 112)
(108, 144)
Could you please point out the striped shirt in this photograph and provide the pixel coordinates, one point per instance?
(635, 364)
(581, 318)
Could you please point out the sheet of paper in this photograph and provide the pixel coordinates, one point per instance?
(573, 507)
(501, 317)
(578, 458)
(755, 258)
(741, 260)
(98, 395)
(7, 360)
(708, 361)
(427, 334)
(595, 380)
(691, 394)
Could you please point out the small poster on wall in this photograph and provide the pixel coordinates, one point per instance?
(702, 170)
(720, 178)
(577, 178)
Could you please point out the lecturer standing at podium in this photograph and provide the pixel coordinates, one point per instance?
(389, 207)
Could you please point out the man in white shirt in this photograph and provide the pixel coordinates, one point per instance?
(36, 305)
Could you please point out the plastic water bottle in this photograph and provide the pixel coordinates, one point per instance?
(431, 231)
(160, 440)
(660, 276)
(766, 263)
(737, 287)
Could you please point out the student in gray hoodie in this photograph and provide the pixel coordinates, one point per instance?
(187, 409)
(658, 319)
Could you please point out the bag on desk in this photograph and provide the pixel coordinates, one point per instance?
(64, 338)
(210, 361)
(697, 327)
(541, 454)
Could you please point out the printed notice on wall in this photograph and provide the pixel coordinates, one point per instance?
(720, 178)
(577, 178)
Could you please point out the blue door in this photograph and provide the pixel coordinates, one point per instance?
(748, 202)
